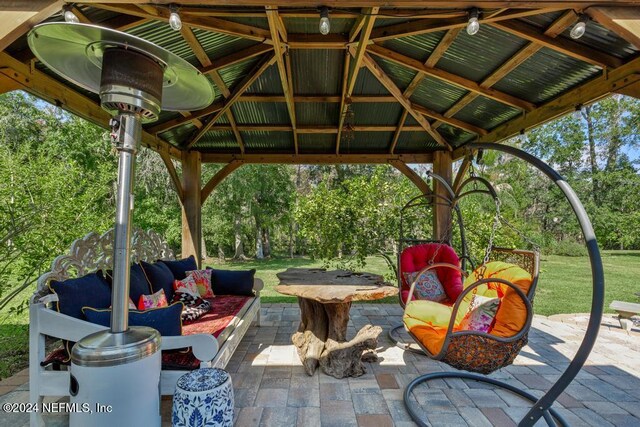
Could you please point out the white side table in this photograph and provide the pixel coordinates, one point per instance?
(203, 397)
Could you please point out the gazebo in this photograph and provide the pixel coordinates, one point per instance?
(397, 82)
(394, 82)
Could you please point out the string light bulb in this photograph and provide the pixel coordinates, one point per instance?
(325, 25)
(69, 16)
(174, 19)
(473, 26)
(580, 28)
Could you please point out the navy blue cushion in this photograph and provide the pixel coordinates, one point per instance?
(159, 277)
(73, 294)
(165, 320)
(180, 267)
(232, 282)
(138, 284)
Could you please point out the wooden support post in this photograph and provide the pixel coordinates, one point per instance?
(191, 206)
(442, 161)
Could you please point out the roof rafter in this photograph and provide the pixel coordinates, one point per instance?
(433, 59)
(20, 21)
(557, 27)
(205, 23)
(424, 26)
(352, 69)
(624, 21)
(562, 45)
(587, 93)
(284, 71)
(312, 129)
(386, 81)
(260, 68)
(236, 58)
(310, 159)
(451, 78)
(202, 56)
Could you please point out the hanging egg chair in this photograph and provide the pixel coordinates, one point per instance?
(488, 324)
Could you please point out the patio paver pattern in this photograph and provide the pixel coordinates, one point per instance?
(272, 389)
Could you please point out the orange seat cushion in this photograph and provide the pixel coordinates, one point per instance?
(512, 313)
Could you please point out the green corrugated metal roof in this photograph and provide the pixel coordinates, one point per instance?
(367, 84)
(276, 142)
(376, 113)
(486, 113)
(317, 71)
(219, 141)
(268, 83)
(367, 142)
(217, 45)
(436, 94)
(412, 142)
(400, 75)
(316, 143)
(490, 47)
(261, 113)
(545, 75)
(418, 47)
(317, 113)
(160, 33)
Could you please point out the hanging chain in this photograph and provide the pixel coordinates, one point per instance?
(494, 228)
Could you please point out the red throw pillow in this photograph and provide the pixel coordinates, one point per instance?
(156, 300)
(203, 281)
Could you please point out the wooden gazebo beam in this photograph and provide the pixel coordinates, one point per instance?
(204, 60)
(433, 59)
(413, 176)
(218, 178)
(386, 81)
(284, 70)
(260, 68)
(555, 29)
(312, 159)
(19, 17)
(565, 46)
(624, 21)
(613, 81)
(450, 78)
(351, 69)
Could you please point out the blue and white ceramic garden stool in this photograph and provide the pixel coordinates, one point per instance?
(203, 397)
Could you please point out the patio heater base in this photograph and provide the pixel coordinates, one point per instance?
(115, 379)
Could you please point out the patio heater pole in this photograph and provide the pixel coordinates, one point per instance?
(125, 133)
(120, 368)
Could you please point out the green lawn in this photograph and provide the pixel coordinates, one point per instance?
(565, 287)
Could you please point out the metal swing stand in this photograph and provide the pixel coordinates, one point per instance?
(542, 406)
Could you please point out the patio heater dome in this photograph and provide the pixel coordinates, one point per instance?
(128, 72)
(120, 368)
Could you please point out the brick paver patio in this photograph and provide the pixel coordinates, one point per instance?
(271, 388)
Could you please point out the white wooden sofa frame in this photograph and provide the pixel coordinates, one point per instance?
(87, 255)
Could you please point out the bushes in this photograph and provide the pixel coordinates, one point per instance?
(569, 248)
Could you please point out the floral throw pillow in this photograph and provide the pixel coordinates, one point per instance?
(481, 314)
(203, 281)
(428, 286)
(188, 285)
(156, 300)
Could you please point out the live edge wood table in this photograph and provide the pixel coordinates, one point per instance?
(325, 299)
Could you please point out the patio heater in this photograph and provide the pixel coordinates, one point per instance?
(115, 374)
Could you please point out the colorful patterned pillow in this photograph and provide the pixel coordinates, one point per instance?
(156, 300)
(188, 285)
(428, 286)
(481, 314)
(203, 281)
(194, 306)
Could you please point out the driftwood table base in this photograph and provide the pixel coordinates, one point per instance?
(325, 299)
(321, 340)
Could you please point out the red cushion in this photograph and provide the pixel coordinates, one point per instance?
(415, 258)
(223, 310)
